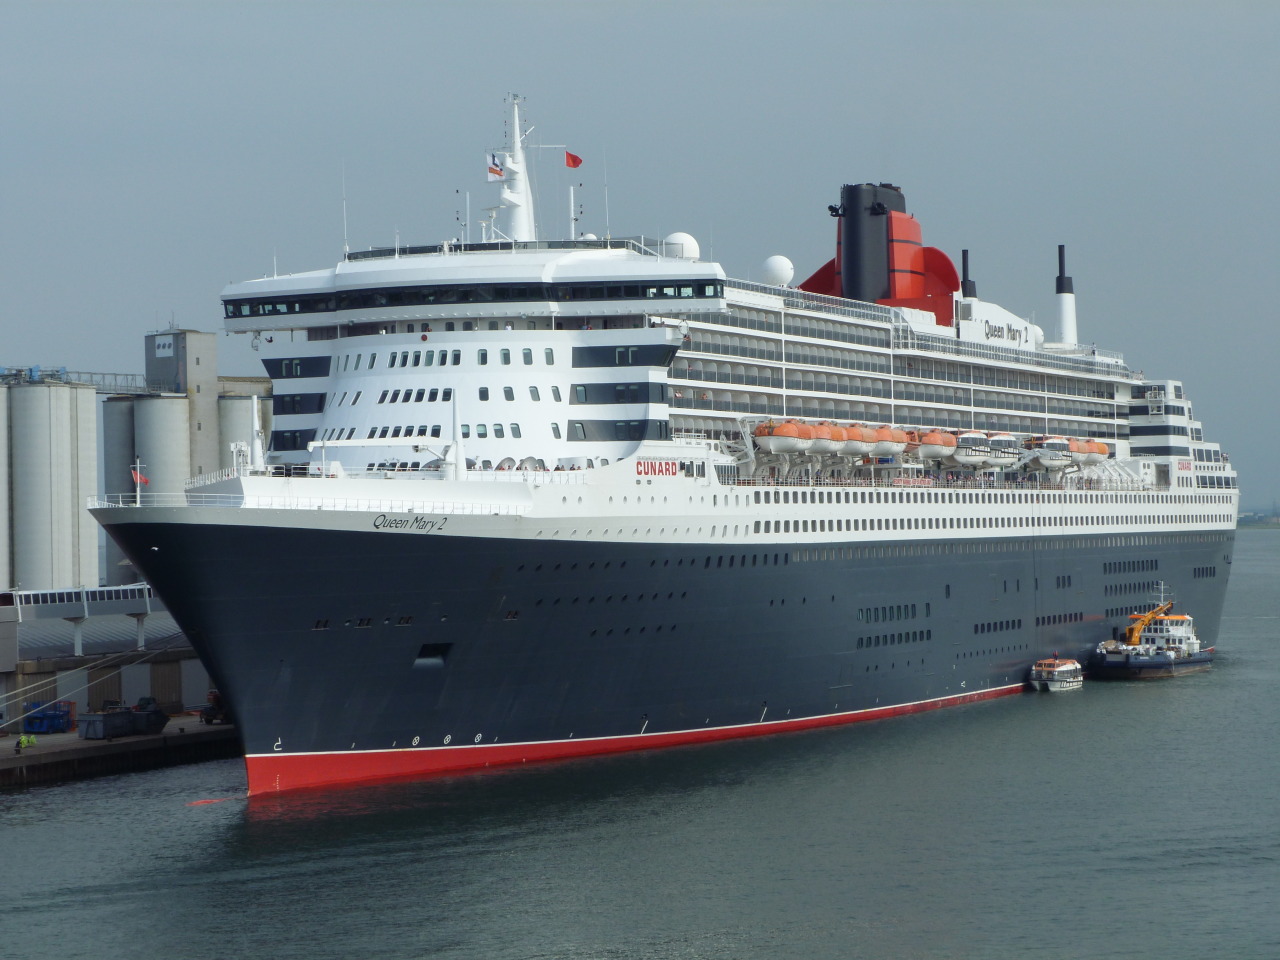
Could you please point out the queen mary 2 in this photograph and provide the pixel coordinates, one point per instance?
(530, 499)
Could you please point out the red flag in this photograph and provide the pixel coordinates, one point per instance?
(139, 478)
(572, 159)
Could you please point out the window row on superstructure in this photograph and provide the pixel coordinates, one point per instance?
(447, 293)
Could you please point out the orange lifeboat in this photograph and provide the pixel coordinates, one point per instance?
(935, 444)
(1077, 451)
(791, 436)
(763, 434)
(1097, 452)
(859, 441)
(824, 439)
(890, 441)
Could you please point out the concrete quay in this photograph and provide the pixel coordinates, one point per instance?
(64, 756)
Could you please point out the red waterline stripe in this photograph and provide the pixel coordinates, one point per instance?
(274, 772)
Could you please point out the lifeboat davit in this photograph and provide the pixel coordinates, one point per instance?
(1004, 450)
(859, 441)
(889, 441)
(824, 440)
(935, 445)
(972, 449)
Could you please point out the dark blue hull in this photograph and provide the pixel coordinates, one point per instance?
(330, 642)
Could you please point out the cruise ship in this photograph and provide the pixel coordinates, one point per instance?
(534, 498)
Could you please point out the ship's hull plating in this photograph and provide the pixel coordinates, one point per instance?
(353, 656)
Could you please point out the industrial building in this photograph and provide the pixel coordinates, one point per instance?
(75, 624)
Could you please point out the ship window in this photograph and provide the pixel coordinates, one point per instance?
(482, 357)
(447, 395)
(395, 397)
(428, 358)
(450, 325)
(579, 430)
(373, 432)
(373, 358)
(549, 355)
(515, 430)
(418, 396)
(527, 356)
(533, 394)
(466, 430)
(508, 393)
(422, 430)
(392, 361)
(435, 431)
(506, 356)
(417, 354)
(497, 431)
(383, 397)
(555, 394)
(482, 430)
(555, 430)
(457, 357)
(580, 393)
(444, 357)
(359, 358)
(484, 393)
(404, 358)
(395, 431)
(382, 433)
(433, 395)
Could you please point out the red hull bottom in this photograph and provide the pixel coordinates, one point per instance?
(272, 772)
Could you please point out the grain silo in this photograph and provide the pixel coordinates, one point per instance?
(6, 515)
(53, 447)
(162, 441)
(117, 477)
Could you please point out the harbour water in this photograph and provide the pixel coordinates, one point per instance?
(1123, 820)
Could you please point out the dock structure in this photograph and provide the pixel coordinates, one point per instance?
(65, 756)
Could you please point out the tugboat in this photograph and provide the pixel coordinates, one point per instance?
(1056, 674)
(1156, 644)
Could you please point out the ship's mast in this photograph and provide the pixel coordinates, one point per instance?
(517, 198)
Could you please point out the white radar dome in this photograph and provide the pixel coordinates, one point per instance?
(778, 271)
(682, 245)
(588, 236)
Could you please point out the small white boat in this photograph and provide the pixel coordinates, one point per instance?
(1055, 674)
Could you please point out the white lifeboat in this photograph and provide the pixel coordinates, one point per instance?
(1005, 451)
(972, 449)
(1052, 453)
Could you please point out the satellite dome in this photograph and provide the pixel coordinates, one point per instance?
(588, 236)
(682, 245)
(778, 271)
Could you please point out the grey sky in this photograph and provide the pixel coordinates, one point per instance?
(151, 152)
